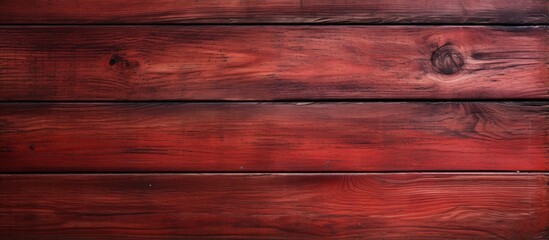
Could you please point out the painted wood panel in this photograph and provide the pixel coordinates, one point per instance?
(273, 11)
(304, 206)
(248, 137)
(272, 63)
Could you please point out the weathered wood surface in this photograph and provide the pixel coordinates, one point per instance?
(247, 137)
(305, 206)
(272, 11)
(273, 62)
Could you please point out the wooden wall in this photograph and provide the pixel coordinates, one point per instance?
(282, 119)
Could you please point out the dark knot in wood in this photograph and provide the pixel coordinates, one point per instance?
(120, 62)
(447, 60)
(115, 59)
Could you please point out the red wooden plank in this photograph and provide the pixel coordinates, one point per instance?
(246, 137)
(272, 62)
(273, 11)
(361, 206)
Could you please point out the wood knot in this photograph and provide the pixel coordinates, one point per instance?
(120, 61)
(117, 59)
(122, 67)
(447, 60)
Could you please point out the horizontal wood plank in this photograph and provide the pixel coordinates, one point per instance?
(272, 11)
(166, 137)
(273, 62)
(302, 206)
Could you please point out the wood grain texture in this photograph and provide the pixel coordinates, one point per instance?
(373, 206)
(273, 62)
(272, 11)
(247, 137)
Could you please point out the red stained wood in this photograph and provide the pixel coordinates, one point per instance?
(147, 73)
(364, 206)
(273, 11)
(251, 137)
(272, 62)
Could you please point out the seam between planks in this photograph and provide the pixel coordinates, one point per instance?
(282, 24)
(445, 172)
